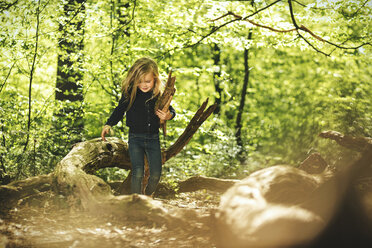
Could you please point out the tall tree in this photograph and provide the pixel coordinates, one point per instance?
(217, 76)
(238, 126)
(120, 12)
(69, 87)
(32, 75)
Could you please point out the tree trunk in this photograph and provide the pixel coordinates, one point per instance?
(69, 85)
(32, 76)
(238, 126)
(217, 76)
(119, 12)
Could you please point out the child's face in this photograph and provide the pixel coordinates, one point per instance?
(147, 82)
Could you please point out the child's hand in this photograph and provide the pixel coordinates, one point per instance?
(105, 130)
(164, 116)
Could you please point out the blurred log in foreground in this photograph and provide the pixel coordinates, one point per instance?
(283, 206)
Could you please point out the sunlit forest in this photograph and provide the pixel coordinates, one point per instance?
(273, 97)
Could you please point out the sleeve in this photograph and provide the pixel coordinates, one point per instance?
(173, 112)
(118, 112)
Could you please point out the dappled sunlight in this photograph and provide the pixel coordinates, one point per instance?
(47, 227)
(246, 155)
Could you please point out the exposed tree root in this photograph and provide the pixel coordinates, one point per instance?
(199, 182)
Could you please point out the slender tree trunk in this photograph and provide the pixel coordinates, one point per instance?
(7, 76)
(4, 178)
(216, 76)
(32, 76)
(32, 70)
(69, 87)
(239, 125)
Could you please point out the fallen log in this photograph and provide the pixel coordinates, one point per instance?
(73, 178)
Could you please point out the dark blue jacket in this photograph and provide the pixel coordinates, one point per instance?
(141, 117)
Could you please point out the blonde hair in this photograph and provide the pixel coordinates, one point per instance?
(136, 74)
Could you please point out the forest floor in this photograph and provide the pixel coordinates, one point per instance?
(47, 227)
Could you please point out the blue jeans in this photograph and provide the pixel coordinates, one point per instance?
(139, 145)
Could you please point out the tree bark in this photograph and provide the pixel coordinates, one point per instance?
(120, 12)
(239, 125)
(216, 76)
(32, 75)
(69, 69)
(200, 116)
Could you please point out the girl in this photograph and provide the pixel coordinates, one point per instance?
(140, 90)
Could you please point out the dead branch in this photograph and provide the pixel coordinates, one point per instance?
(165, 99)
(200, 116)
(32, 71)
(354, 143)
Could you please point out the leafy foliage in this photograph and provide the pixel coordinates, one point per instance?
(293, 93)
